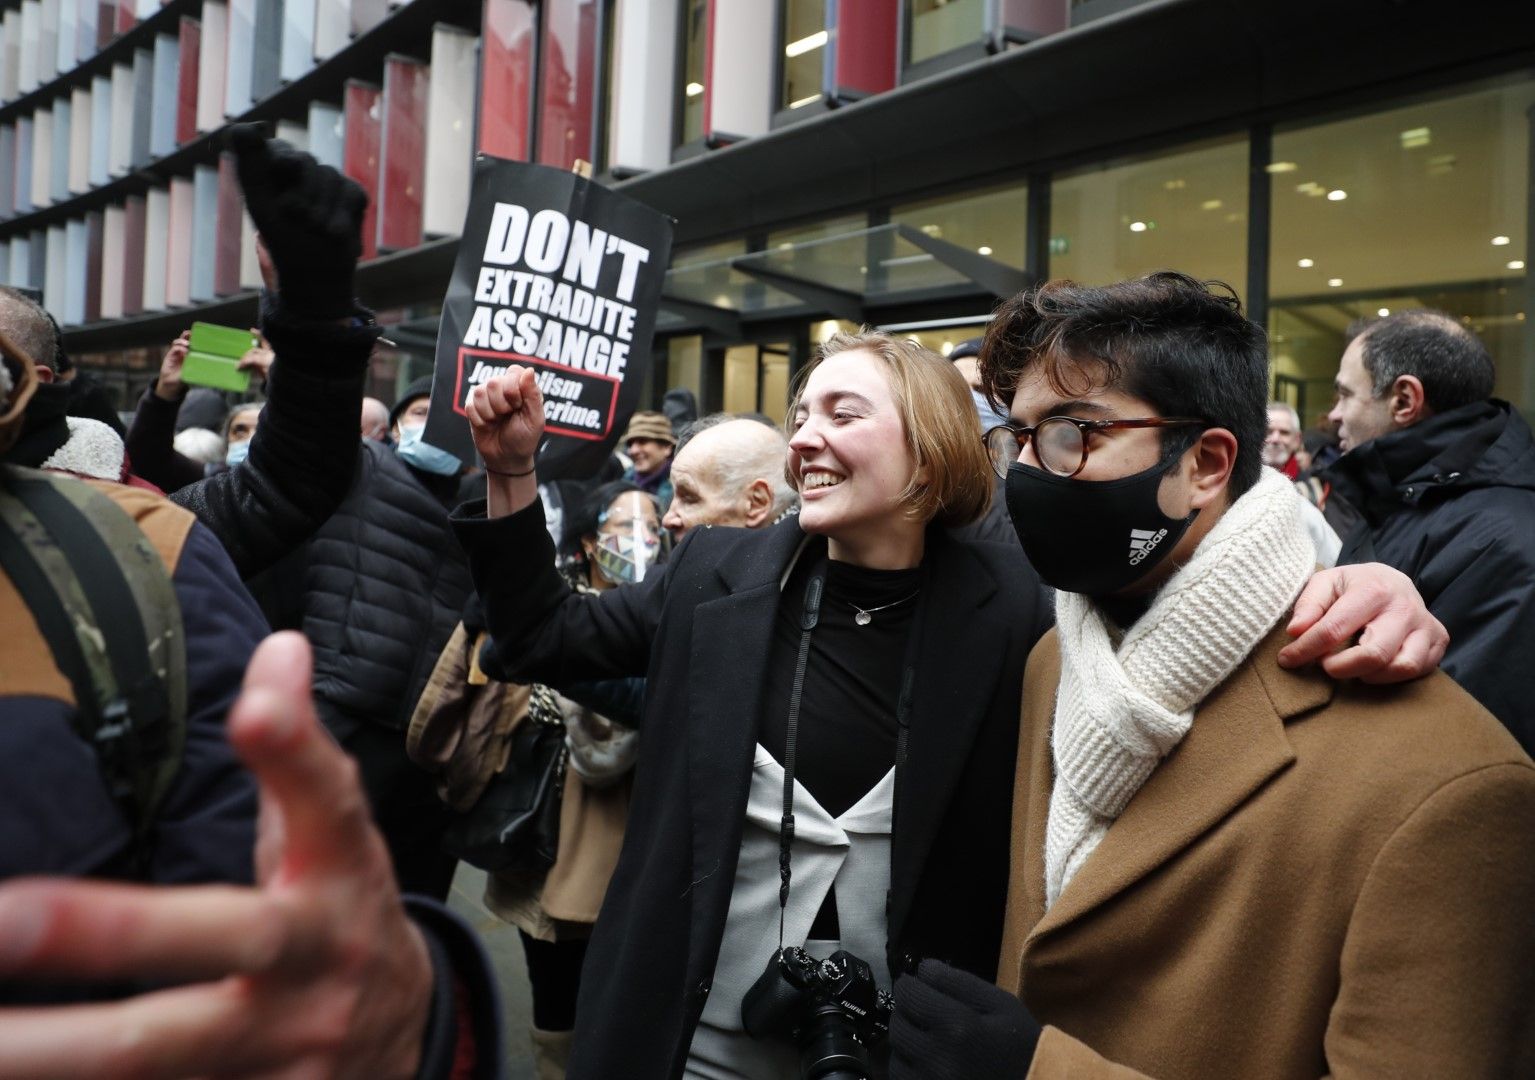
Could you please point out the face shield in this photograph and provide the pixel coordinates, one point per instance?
(630, 540)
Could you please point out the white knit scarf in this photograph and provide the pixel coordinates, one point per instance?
(1120, 711)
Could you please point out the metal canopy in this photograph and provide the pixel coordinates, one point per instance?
(839, 276)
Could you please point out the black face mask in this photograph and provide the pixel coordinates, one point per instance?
(1092, 536)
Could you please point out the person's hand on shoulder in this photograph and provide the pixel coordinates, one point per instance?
(1399, 639)
(315, 972)
(950, 1025)
(168, 386)
(309, 218)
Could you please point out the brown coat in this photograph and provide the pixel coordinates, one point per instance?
(1322, 879)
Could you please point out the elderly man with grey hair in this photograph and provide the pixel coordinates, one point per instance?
(728, 471)
(1282, 448)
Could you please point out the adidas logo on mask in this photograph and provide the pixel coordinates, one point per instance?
(1143, 542)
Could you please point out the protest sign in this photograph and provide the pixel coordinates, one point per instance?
(559, 274)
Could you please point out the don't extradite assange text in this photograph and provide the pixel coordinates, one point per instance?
(568, 289)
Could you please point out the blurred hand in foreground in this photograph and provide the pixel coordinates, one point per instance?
(317, 972)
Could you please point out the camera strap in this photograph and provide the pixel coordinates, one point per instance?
(808, 620)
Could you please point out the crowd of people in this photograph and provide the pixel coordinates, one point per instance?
(1057, 708)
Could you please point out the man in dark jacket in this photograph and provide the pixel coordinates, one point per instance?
(1443, 475)
(378, 591)
(301, 464)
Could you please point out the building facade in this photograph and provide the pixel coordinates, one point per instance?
(902, 163)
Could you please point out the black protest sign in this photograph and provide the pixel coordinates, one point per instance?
(561, 275)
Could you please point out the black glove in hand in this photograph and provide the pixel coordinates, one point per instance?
(310, 219)
(950, 1025)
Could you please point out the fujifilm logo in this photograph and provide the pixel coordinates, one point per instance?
(1143, 543)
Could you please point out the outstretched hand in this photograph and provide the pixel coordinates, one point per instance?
(317, 972)
(309, 217)
(1399, 639)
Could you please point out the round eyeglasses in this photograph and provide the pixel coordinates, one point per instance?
(1060, 442)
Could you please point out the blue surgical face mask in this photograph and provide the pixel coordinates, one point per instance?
(425, 456)
(990, 418)
(237, 452)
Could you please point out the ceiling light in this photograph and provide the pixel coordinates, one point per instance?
(1174, 185)
(1306, 264)
(983, 250)
(1137, 226)
(1334, 283)
(1337, 195)
(948, 347)
(1310, 187)
(1211, 204)
(1280, 167)
(1516, 264)
(805, 44)
(694, 89)
(1383, 312)
(1499, 241)
(806, 100)
(1414, 138)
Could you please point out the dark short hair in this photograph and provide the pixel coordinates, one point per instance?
(1179, 343)
(1450, 361)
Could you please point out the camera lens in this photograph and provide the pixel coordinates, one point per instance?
(829, 1048)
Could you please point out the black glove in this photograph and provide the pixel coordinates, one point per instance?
(950, 1025)
(309, 217)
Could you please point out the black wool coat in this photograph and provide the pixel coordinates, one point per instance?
(700, 630)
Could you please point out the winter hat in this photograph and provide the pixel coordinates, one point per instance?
(421, 388)
(649, 425)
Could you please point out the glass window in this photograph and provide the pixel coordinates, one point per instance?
(685, 363)
(934, 27)
(1182, 211)
(992, 223)
(757, 379)
(803, 26)
(695, 25)
(568, 81)
(1424, 205)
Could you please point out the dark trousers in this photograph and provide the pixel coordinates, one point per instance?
(405, 806)
(554, 970)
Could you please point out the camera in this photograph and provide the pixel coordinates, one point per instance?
(832, 1009)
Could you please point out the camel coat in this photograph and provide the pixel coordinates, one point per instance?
(1322, 879)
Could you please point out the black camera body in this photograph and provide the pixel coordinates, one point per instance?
(831, 1009)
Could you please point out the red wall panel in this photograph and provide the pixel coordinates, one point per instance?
(133, 255)
(362, 105)
(506, 85)
(402, 167)
(866, 47)
(227, 223)
(186, 81)
(567, 83)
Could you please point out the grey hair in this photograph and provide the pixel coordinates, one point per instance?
(759, 457)
(200, 444)
(28, 326)
(1287, 407)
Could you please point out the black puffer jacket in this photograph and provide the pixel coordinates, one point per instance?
(377, 591)
(302, 456)
(1450, 502)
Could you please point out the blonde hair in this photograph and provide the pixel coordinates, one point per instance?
(938, 417)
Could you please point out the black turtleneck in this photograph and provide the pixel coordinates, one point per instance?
(847, 728)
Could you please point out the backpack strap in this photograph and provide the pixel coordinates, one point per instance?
(103, 599)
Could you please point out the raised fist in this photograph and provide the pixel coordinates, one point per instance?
(309, 217)
(506, 417)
